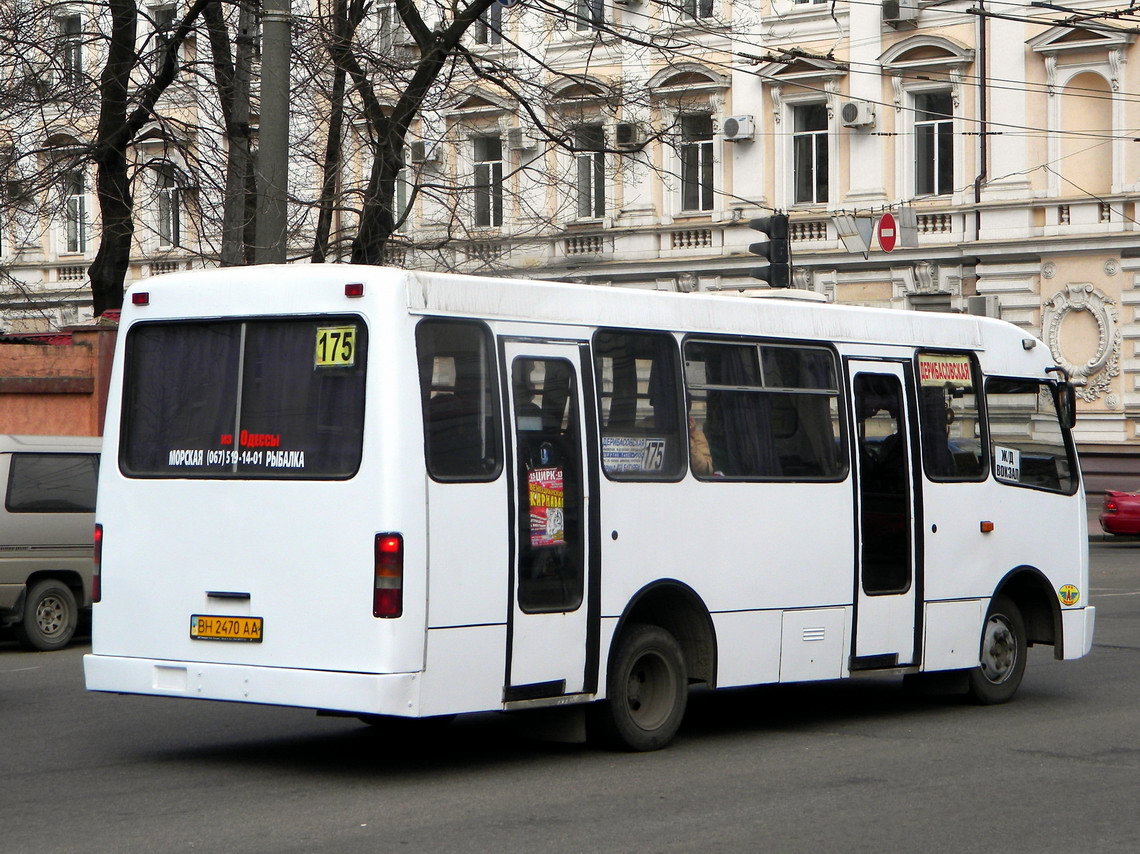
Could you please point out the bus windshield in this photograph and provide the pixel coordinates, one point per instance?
(280, 398)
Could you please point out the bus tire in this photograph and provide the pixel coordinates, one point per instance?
(1002, 656)
(50, 616)
(648, 691)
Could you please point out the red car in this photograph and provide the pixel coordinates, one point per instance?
(1121, 514)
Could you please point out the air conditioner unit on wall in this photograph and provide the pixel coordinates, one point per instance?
(738, 128)
(900, 13)
(517, 139)
(629, 135)
(422, 151)
(857, 114)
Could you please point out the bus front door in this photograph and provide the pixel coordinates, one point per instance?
(547, 630)
(886, 596)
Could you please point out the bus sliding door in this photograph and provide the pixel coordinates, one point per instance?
(547, 633)
(886, 593)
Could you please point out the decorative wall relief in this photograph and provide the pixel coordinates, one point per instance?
(1092, 378)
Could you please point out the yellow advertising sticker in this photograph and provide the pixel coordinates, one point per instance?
(1069, 594)
(336, 346)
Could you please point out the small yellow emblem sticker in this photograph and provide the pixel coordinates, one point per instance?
(1069, 594)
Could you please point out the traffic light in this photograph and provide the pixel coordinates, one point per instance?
(778, 271)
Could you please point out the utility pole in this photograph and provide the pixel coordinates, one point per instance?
(273, 136)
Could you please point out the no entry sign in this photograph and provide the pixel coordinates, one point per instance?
(887, 232)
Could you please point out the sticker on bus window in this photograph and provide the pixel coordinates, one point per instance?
(547, 502)
(938, 369)
(1007, 464)
(336, 347)
(632, 454)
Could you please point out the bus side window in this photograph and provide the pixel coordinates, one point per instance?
(770, 411)
(639, 405)
(459, 397)
(948, 417)
(1029, 445)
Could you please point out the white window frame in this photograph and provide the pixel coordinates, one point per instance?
(828, 143)
(488, 176)
(590, 182)
(400, 201)
(488, 29)
(75, 226)
(163, 29)
(706, 164)
(70, 47)
(699, 10)
(168, 209)
(589, 15)
(952, 123)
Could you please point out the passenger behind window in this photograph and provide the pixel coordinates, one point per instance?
(700, 457)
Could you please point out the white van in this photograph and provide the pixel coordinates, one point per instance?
(46, 543)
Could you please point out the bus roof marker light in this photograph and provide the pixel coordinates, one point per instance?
(1028, 343)
(354, 289)
(140, 298)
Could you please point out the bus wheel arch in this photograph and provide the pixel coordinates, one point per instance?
(1040, 609)
(678, 609)
(664, 642)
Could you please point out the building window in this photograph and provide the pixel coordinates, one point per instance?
(388, 26)
(589, 14)
(809, 157)
(71, 48)
(163, 17)
(401, 215)
(933, 144)
(697, 162)
(75, 213)
(489, 27)
(488, 180)
(169, 210)
(698, 8)
(591, 180)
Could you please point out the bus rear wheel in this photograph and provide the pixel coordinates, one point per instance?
(1002, 658)
(648, 691)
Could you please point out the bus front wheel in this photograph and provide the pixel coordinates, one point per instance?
(1002, 660)
(648, 691)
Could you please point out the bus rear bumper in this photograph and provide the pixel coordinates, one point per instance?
(1079, 625)
(360, 693)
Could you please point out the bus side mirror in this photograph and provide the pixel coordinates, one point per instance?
(1068, 405)
(1066, 398)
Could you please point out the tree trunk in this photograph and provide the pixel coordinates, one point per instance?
(345, 22)
(232, 77)
(112, 184)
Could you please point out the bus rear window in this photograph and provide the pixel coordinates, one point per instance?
(245, 399)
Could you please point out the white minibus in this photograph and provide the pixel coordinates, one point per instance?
(379, 492)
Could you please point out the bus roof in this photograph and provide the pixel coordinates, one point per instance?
(296, 288)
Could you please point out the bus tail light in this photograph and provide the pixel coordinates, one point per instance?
(388, 593)
(96, 570)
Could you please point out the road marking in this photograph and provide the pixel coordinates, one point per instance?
(23, 669)
(1101, 594)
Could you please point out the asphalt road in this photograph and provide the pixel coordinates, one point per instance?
(860, 765)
